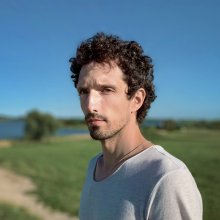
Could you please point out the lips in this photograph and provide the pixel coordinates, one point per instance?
(95, 121)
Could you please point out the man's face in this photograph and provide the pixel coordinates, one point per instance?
(103, 98)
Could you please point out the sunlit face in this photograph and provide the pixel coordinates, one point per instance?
(103, 98)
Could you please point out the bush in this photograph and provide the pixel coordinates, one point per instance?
(170, 125)
(39, 125)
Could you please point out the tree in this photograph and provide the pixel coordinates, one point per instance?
(170, 125)
(39, 125)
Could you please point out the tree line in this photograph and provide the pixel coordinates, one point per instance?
(39, 126)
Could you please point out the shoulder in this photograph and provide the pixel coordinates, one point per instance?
(157, 161)
(165, 159)
(175, 189)
(152, 165)
(175, 196)
(168, 168)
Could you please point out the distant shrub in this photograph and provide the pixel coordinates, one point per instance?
(214, 125)
(72, 122)
(170, 125)
(39, 125)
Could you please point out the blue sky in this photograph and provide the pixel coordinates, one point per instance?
(38, 37)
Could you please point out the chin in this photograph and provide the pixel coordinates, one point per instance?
(97, 134)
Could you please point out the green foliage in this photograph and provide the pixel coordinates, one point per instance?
(72, 122)
(58, 169)
(39, 125)
(215, 125)
(170, 125)
(9, 212)
(199, 124)
(153, 134)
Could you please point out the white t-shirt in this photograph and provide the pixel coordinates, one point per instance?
(152, 185)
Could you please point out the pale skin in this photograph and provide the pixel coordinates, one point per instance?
(110, 115)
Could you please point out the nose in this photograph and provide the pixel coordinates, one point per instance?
(92, 102)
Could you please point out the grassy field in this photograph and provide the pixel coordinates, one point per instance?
(58, 168)
(9, 212)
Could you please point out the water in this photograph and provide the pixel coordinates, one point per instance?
(15, 130)
(70, 131)
(12, 129)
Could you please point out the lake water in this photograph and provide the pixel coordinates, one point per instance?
(15, 130)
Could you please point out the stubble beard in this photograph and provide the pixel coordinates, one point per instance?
(98, 133)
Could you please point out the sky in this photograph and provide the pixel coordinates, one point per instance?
(38, 37)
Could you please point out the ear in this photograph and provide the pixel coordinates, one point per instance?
(138, 99)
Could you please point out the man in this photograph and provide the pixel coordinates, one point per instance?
(132, 178)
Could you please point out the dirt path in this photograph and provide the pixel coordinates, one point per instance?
(13, 190)
(5, 143)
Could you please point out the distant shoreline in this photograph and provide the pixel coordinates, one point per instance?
(15, 130)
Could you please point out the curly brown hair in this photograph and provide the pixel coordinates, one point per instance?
(128, 55)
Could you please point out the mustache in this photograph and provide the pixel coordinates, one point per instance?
(94, 116)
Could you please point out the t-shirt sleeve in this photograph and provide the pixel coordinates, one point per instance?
(175, 197)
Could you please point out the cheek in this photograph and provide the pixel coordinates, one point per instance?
(121, 107)
(83, 105)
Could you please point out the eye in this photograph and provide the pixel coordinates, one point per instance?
(106, 90)
(83, 91)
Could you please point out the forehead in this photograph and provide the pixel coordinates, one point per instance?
(95, 73)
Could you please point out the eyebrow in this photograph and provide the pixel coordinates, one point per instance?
(99, 86)
(107, 86)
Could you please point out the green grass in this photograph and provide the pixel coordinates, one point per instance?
(9, 212)
(59, 168)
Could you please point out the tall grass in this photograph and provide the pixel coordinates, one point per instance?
(58, 169)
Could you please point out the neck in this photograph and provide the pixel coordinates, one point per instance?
(121, 147)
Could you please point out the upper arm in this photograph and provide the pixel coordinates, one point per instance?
(175, 197)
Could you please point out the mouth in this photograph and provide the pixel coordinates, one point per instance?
(95, 121)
